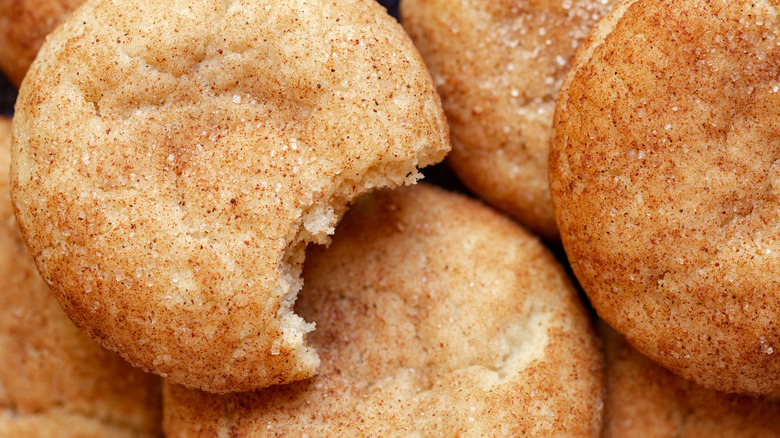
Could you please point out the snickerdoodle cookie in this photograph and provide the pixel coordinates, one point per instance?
(498, 66)
(664, 172)
(173, 159)
(54, 380)
(24, 25)
(436, 316)
(644, 399)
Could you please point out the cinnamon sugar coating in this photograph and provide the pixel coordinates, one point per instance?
(173, 159)
(436, 316)
(664, 173)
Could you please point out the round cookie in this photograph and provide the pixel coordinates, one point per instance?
(24, 25)
(644, 399)
(498, 67)
(173, 160)
(54, 380)
(664, 174)
(436, 316)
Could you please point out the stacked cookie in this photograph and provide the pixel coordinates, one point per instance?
(179, 169)
(435, 316)
(663, 171)
(498, 67)
(204, 146)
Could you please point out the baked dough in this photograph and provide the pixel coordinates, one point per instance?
(664, 173)
(24, 25)
(644, 399)
(498, 66)
(436, 316)
(54, 380)
(173, 159)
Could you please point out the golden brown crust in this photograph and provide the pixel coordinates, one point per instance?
(436, 316)
(498, 66)
(664, 173)
(644, 399)
(173, 160)
(24, 25)
(54, 380)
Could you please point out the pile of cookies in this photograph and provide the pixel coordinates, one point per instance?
(213, 224)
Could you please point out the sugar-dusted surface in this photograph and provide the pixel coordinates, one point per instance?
(24, 25)
(664, 173)
(173, 159)
(644, 399)
(498, 66)
(54, 380)
(436, 316)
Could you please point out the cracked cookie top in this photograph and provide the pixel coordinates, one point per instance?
(173, 159)
(436, 316)
(54, 379)
(664, 173)
(498, 66)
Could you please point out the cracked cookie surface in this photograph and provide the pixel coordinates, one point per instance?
(54, 380)
(436, 316)
(664, 173)
(173, 160)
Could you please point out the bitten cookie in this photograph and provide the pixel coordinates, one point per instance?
(172, 160)
(436, 316)
(498, 66)
(664, 173)
(644, 399)
(24, 25)
(54, 380)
